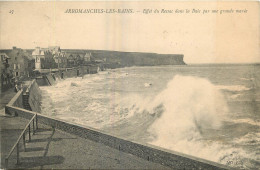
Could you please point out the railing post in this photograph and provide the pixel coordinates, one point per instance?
(29, 132)
(6, 163)
(33, 127)
(17, 158)
(24, 142)
(36, 121)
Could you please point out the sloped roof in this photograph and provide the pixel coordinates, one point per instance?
(81, 55)
(5, 55)
(68, 54)
(18, 52)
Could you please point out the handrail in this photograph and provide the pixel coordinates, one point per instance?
(16, 145)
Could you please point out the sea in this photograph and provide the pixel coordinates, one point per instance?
(210, 111)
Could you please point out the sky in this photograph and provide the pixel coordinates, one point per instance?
(202, 38)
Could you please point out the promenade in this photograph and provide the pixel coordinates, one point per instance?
(5, 97)
(10, 127)
(52, 148)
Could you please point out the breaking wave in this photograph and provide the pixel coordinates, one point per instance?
(191, 105)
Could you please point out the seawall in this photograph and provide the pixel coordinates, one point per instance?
(145, 151)
(51, 76)
(30, 96)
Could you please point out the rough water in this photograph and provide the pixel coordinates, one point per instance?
(208, 111)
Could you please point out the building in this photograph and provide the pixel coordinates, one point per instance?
(4, 64)
(74, 59)
(49, 58)
(16, 65)
(5, 71)
(79, 59)
(44, 58)
(88, 58)
(21, 63)
(71, 60)
(39, 56)
(59, 56)
(60, 59)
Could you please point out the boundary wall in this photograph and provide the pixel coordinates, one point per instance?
(50, 78)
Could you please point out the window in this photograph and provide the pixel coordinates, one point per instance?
(15, 58)
(16, 73)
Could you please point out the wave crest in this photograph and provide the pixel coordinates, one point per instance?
(191, 105)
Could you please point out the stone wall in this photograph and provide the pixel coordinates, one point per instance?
(50, 79)
(30, 95)
(17, 100)
(35, 96)
(70, 73)
(41, 81)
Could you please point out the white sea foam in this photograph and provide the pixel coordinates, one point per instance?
(235, 96)
(249, 139)
(235, 88)
(147, 84)
(188, 109)
(247, 79)
(249, 121)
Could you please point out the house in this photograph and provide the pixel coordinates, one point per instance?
(44, 58)
(21, 63)
(88, 58)
(49, 58)
(4, 62)
(39, 56)
(60, 59)
(79, 59)
(16, 65)
(71, 61)
(74, 59)
(5, 71)
(59, 56)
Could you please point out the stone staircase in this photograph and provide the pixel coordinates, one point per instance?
(26, 104)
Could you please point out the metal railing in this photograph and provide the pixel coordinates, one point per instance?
(34, 122)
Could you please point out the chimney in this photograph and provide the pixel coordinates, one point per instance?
(14, 47)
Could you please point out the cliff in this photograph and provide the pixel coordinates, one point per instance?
(122, 59)
(115, 59)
